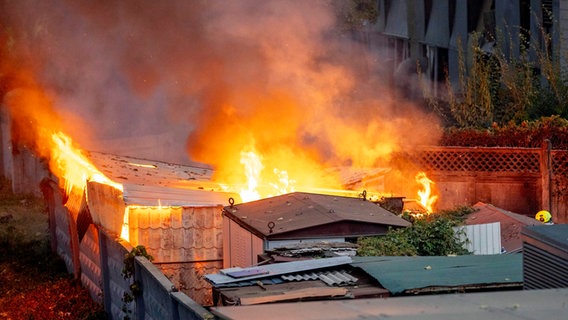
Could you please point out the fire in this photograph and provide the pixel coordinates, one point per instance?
(69, 163)
(252, 163)
(256, 187)
(425, 196)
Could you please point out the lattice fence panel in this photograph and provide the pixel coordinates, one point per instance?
(560, 163)
(479, 160)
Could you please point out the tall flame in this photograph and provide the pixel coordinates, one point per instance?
(426, 198)
(252, 163)
(258, 185)
(69, 163)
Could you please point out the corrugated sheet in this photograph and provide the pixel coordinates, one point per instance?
(300, 210)
(482, 238)
(545, 251)
(407, 274)
(272, 270)
(124, 169)
(156, 195)
(331, 278)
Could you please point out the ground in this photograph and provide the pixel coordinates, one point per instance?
(34, 283)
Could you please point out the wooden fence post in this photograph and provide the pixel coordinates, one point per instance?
(546, 177)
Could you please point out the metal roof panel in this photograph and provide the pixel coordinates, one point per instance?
(402, 274)
(272, 270)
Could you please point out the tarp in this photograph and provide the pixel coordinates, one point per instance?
(400, 274)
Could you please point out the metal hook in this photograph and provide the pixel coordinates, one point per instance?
(364, 194)
(271, 226)
(231, 201)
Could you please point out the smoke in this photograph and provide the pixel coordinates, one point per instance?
(209, 79)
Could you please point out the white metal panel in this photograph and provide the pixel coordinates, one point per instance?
(482, 238)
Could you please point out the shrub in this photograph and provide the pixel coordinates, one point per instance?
(432, 235)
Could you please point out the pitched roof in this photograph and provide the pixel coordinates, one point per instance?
(300, 210)
(511, 223)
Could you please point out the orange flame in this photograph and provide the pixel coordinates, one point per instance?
(258, 185)
(425, 196)
(69, 163)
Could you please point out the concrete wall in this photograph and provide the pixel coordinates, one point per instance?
(98, 260)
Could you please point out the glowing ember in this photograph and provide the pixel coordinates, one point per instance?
(425, 196)
(69, 163)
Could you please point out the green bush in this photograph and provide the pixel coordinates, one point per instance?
(432, 235)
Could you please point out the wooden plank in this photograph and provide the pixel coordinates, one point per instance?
(296, 294)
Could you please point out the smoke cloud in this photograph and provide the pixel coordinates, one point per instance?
(201, 80)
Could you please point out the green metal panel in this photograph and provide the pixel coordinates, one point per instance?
(400, 274)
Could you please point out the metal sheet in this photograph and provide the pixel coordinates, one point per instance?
(156, 195)
(528, 304)
(401, 274)
(277, 269)
(482, 238)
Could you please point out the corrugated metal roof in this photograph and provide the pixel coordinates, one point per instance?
(506, 305)
(155, 183)
(409, 274)
(152, 195)
(300, 210)
(224, 278)
(131, 170)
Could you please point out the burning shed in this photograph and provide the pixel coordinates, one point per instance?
(250, 228)
(174, 211)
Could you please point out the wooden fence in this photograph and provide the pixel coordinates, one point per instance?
(522, 180)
